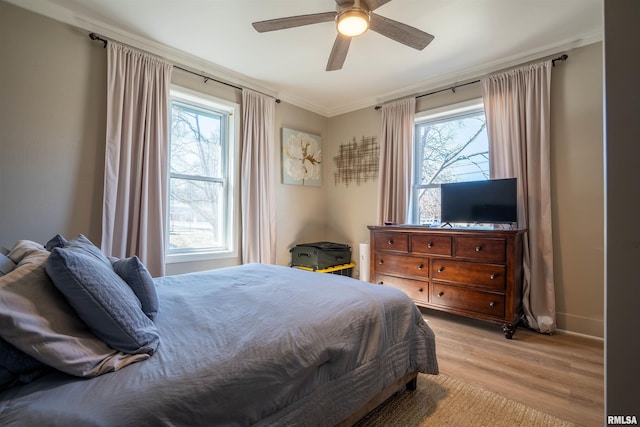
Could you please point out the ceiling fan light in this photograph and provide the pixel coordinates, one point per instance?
(352, 22)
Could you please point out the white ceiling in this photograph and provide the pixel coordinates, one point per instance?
(472, 37)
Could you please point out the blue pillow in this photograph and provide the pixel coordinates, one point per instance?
(6, 265)
(82, 244)
(101, 298)
(17, 367)
(57, 241)
(132, 271)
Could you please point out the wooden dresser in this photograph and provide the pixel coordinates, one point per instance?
(475, 273)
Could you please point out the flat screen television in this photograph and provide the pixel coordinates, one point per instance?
(489, 201)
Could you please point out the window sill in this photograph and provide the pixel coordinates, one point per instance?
(199, 256)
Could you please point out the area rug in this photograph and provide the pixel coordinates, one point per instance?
(445, 401)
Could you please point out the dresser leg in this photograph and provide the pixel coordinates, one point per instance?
(509, 329)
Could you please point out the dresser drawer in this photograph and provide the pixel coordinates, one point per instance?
(481, 249)
(467, 299)
(415, 289)
(396, 242)
(431, 245)
(488, 275)
(401, 264)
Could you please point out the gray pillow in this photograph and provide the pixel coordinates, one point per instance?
(132, 271)
(18, 367)
(6, 265)
(36, 318)
(102, 299)
(22, 249)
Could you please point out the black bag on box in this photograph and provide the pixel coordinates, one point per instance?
(320, 255)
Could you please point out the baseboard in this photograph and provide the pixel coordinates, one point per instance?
(579, 325)
(578, 334)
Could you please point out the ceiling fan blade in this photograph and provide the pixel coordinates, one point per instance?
(374, 4)
(400, 32)
(293, 21)
(338, 52)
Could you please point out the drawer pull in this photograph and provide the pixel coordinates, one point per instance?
(441, 269)
(380, 262)
(380, 282)
(478, 248)
(429, 245)
(440, 294)
(492, 277)
(420, 290)
(420, 267)
(492, 304)
(390, 242)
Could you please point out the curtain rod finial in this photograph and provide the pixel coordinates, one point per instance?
(562, 58)
(94, 36)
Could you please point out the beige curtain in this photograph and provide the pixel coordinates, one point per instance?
(135, 182)
(396, 147)
(517, 107)
(258, 203)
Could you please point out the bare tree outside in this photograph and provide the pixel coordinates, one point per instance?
(452, 150)
(196, 178)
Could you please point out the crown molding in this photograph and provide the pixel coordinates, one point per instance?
(168, 53)
(221, 73)
(491, 67)
(468, 74)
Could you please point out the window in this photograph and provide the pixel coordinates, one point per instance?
(451, 145)
(201, 180)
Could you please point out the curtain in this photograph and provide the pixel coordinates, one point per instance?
(396, 146)
(517, 107)
(257, 194)
(135, 182)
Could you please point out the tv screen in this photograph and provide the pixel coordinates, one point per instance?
(489, 201)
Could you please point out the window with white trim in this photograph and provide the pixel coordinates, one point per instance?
(451, 145)
(201, 192)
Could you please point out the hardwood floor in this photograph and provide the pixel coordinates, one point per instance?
(560, 374)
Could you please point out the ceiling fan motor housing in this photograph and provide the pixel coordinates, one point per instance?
(352, 21)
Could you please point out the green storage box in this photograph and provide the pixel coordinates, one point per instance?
(320, 255)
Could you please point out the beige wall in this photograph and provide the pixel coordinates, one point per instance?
(52, 109)
(52, 153)
(577, 180)
(301, 210)
(350, 208)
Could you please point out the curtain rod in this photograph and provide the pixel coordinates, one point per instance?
(453, 88)
(95, 37)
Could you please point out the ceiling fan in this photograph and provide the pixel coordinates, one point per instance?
(352, 17)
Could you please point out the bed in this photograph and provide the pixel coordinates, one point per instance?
(246, 345)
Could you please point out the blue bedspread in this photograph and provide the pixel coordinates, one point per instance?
(253, 344)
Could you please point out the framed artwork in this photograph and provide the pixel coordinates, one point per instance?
(301, 158)
(357, 161)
